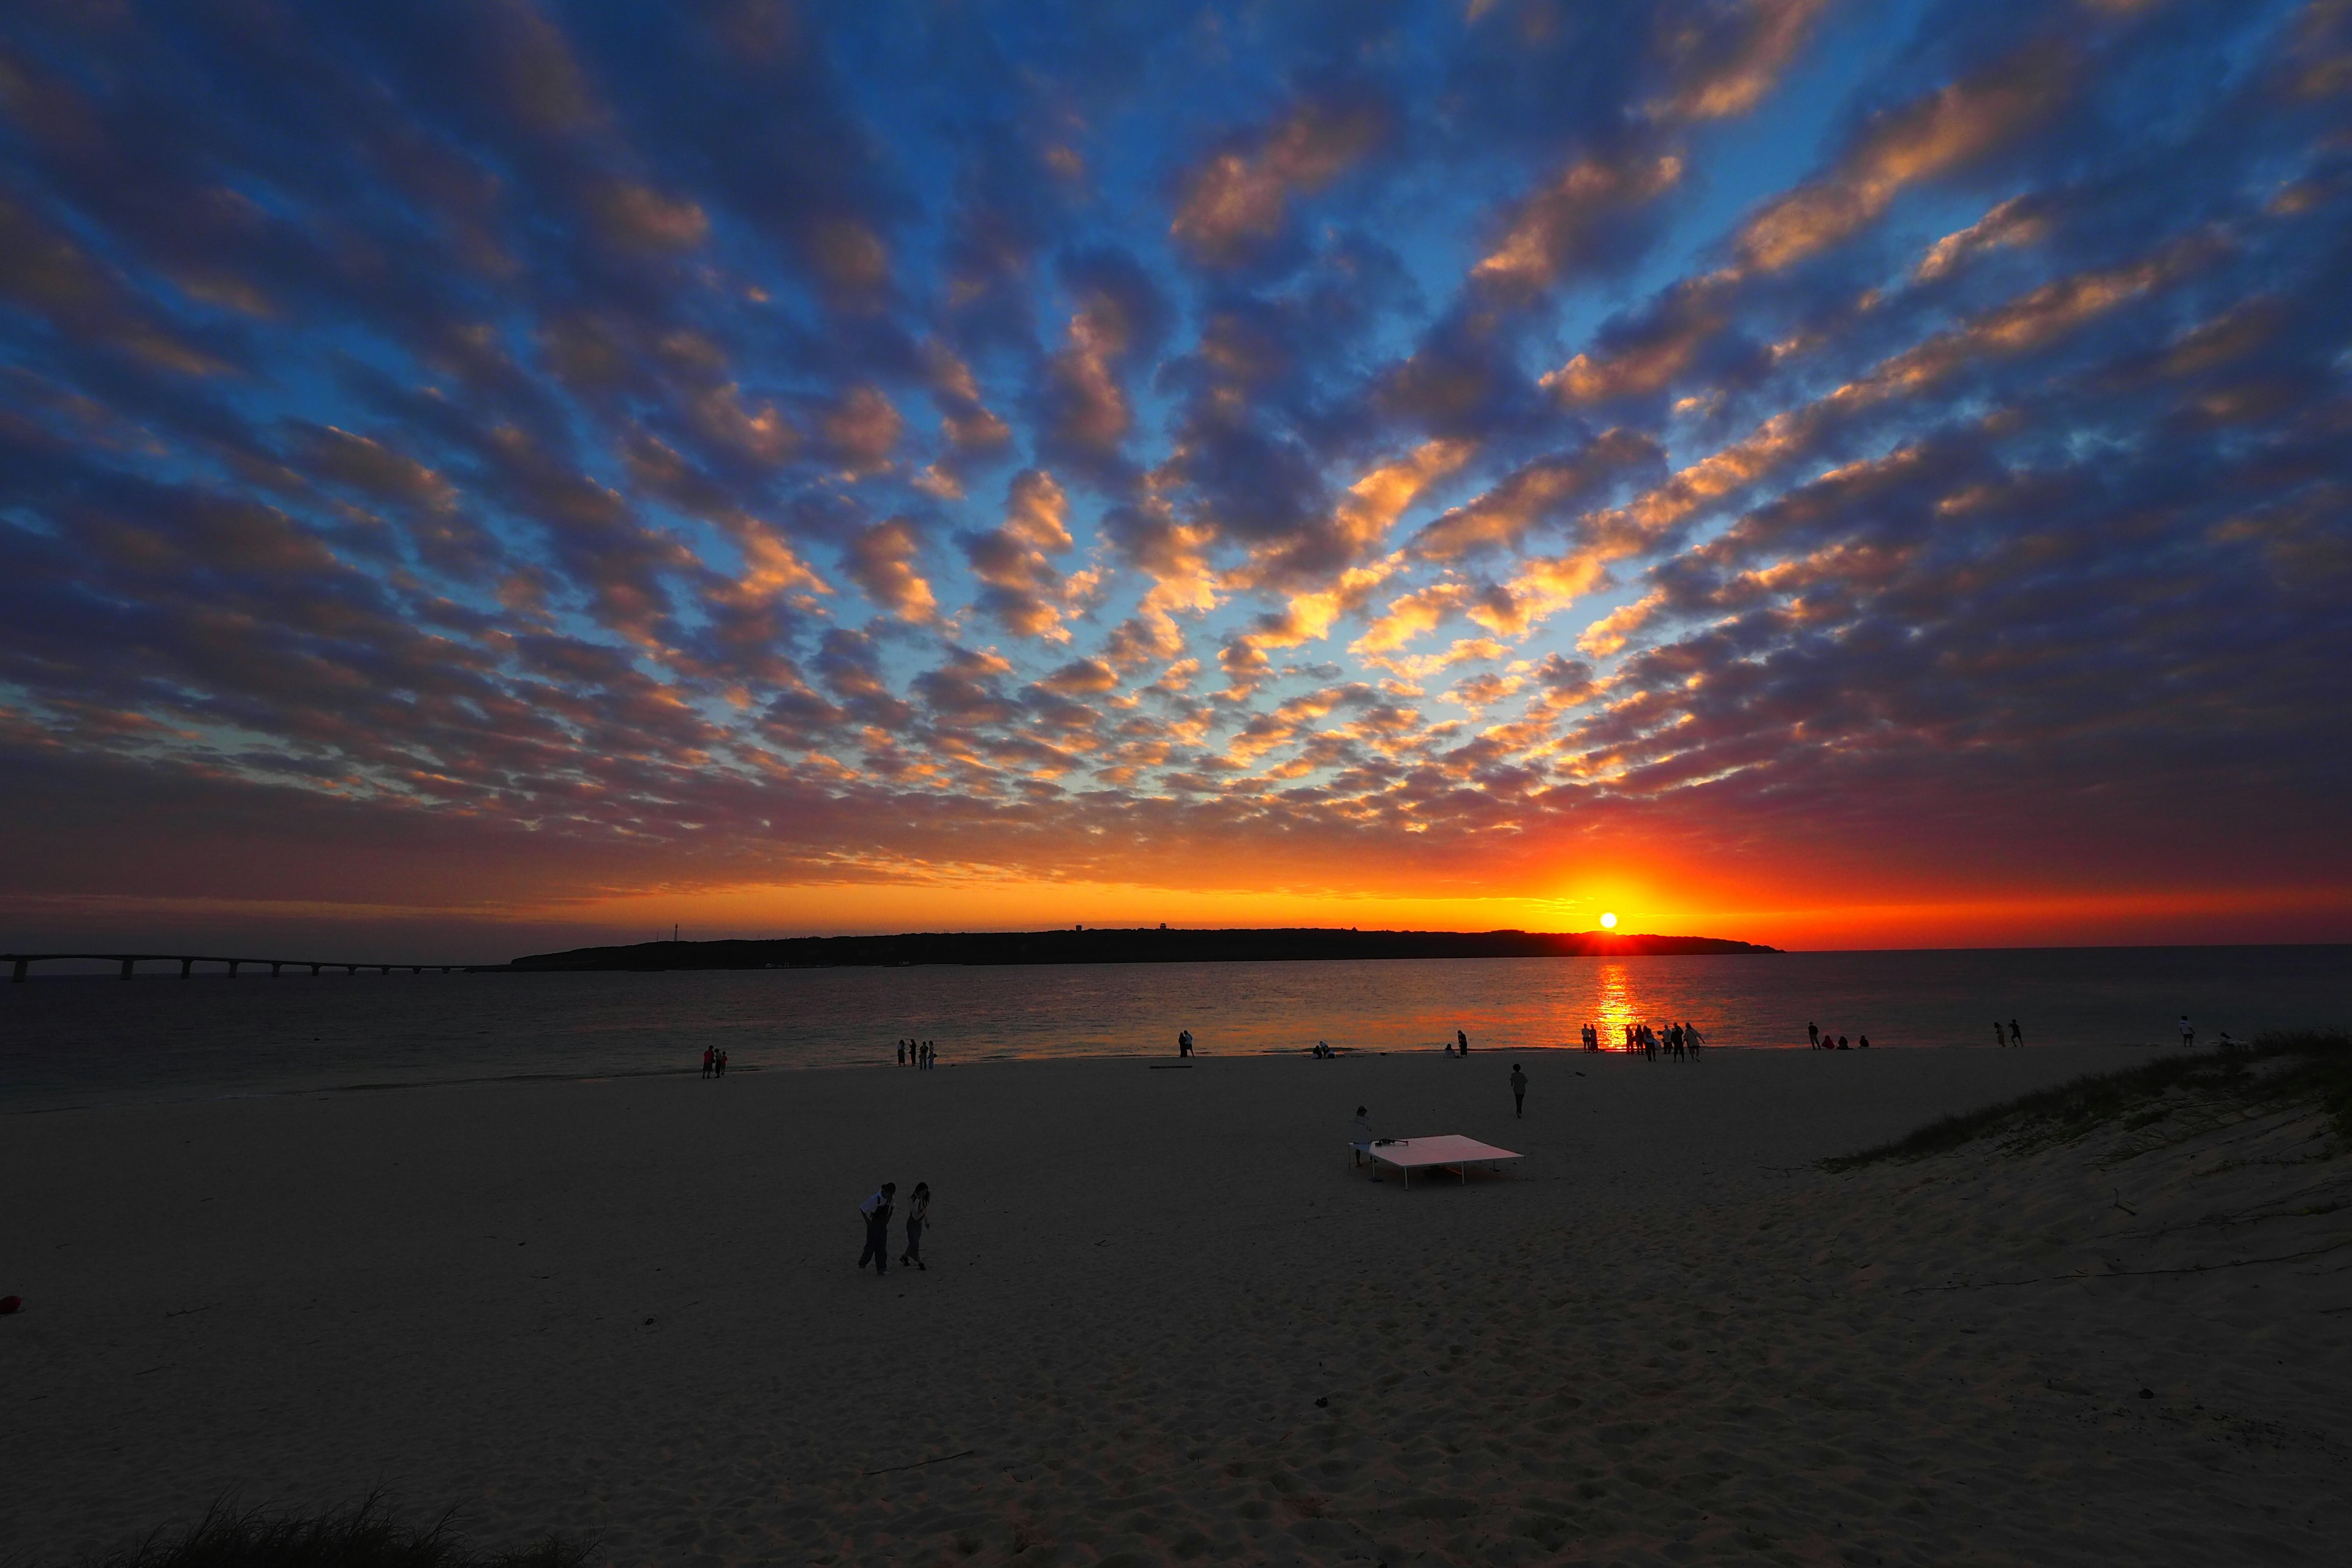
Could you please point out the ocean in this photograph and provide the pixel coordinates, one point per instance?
(67, 1042)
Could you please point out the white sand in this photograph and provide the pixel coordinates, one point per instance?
(1665, 1337)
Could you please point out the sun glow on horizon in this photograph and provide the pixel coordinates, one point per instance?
(1609, 922)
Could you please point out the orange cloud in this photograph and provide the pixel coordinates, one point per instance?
(2017, 221)
(1238, 198)
(1728, 70)
(639, 217)
(881, 560)
(864, 429)
(1932, 136)
(1013, 560)
(1556, 228)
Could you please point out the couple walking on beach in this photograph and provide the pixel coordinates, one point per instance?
(876, 1211)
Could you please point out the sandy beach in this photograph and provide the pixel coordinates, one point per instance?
(1165, 1321)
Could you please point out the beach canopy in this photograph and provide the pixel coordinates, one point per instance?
(1408, 1154)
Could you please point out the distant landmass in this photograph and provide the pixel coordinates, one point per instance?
(1120, 945)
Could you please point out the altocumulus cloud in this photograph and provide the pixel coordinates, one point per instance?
(1413, 448)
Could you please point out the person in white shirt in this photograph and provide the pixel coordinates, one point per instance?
(2187, 1035)
(1361, 1134)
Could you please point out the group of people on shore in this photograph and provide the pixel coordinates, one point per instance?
(1682, 1042)
(876, 1212)
(1823, 1042)
(921, 1055)
(714, 1062)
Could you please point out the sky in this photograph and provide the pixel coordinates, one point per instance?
(485, 475)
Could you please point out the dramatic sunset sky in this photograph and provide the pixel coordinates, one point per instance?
(484, 474)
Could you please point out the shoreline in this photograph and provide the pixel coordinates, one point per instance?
(1165, 1060)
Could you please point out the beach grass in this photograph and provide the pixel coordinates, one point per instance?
(2286, 1068)
(366, 1535)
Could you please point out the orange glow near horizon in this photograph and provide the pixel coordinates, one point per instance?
(2027, 919)
(1678, 905)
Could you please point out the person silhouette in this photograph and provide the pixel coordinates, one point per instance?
(1813, 1032)
(876, 1212)
(1998, 1039)
(919, 1209)
(1519, 1091)
(2015, 1036)
(1462, 1042)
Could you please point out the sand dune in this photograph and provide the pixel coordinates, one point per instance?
(1164, 1320)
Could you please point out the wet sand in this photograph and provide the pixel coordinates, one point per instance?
(1165, 1321)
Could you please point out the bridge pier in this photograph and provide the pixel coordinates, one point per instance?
(186, 965)
(314, 971)
(232, 968)
(385, 967)
(351, 969)
(19, 976)
(274, 968)
(126, 967)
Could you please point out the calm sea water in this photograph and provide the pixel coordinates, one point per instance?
(67, 1042)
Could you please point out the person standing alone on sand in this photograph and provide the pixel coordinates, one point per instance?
(2187, 1035)
(919, 1209)
(1519, 1091)
(1813, 1032)
(875, 1211)
(1461, 1041)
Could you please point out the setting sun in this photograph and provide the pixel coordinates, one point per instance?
(1609, 922)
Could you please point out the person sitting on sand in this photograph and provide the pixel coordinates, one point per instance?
(1842, 1045)
(1862, 1042)
(918, 1210)
(876, 1212)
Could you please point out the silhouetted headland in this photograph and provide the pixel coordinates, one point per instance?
(1142, 945)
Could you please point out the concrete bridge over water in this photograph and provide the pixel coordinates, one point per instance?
(20, 961)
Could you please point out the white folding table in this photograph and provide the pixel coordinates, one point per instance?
(1407, 1155)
